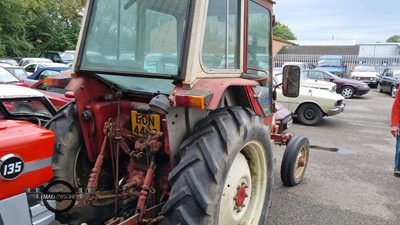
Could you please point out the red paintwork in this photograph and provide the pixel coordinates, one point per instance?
(22, 84)
(59, 99)
(89, 97)
(241, 195)
(217, 87)
(31, 143)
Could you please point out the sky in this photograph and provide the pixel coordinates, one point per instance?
(365, 21)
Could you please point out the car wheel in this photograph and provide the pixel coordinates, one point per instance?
(347, 92)
(309, 114)
(379, 88)
(393, 91)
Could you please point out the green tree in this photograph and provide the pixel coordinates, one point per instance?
(283, 31)
(13, 23)
(56, 26)
(394, 38)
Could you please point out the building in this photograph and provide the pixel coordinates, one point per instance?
(379, 50)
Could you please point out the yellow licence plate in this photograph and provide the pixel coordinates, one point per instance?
(142, 123)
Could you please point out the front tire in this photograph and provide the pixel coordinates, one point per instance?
(393, 91)
(347, 92)
(225, 172)
(379, 88)
(309, 114)
(295, 160)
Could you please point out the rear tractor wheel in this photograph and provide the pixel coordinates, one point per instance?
(225, 172)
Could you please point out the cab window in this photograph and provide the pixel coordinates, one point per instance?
(259, 36)
(221, 35)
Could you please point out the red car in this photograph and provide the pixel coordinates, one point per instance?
(58, 89)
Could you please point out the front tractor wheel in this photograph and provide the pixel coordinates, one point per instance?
(225, 172)
(295, 160)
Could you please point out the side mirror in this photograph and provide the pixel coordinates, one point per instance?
(291, 81)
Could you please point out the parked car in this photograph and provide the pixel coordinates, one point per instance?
(17, 71)
(23, 103)
(305, 81)
(332, 63)
(393, 67)
(59, 89)
(9, 61)
(389, 81)
(312, 104)
(25, 61)
(366, 73)
(41, 73)
(66, 57)
(344, 86)
(33, 67)
(7, 78)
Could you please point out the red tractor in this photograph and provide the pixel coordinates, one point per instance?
(25, 163)
(173, 118)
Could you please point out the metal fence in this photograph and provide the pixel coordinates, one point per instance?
(350, 61)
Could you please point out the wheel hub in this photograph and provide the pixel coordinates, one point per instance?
(309, 114)
(241, 195)
(301, 161)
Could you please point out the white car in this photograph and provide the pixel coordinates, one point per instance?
(307, 82)
(26, 61)
(32, 67)
(312, 104)
(366, 73)
(318, 84)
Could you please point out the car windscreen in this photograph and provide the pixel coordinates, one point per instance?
(18, 72)
(6, 77)
(67, 56)
(365, 69)
(329, 63)
(28, 107)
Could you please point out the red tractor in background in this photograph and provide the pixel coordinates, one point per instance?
(25, 163)
(173, 118)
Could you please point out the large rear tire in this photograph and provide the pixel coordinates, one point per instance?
(70, 164)
(225, 172)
